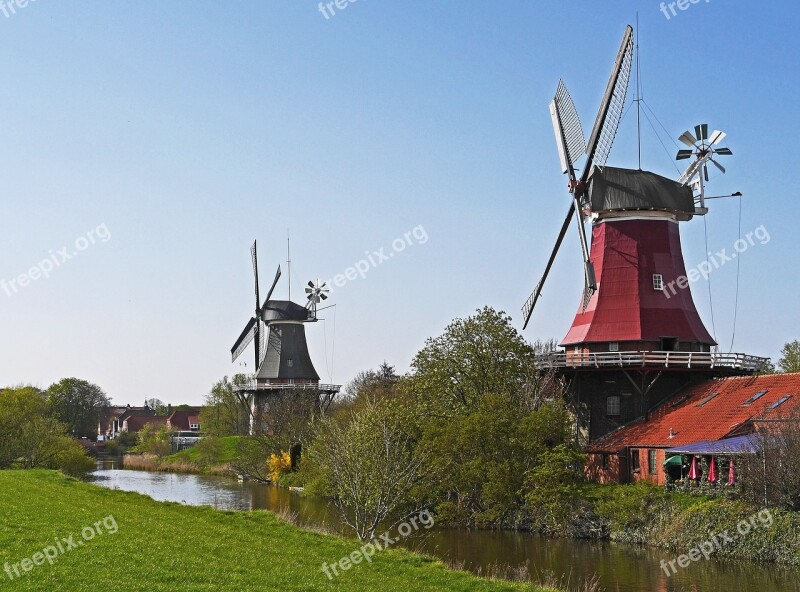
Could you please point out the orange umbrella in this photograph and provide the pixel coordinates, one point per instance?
(731, 474)
(712, 471)
(694, 470)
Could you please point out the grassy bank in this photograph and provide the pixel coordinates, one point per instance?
(166, 547)
(199, 460)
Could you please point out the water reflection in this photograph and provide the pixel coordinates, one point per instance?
(620, 568)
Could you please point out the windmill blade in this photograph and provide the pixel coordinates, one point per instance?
(723, 152)
(684, 154)
(718, 165)
(244, 339)
(688, 138)
(272, 288)
(611, 108)
(527, 309)
(567, 127)
(701, 131)
(716, 137)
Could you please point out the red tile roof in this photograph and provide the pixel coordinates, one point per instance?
(137, 422)
(711, 410)
(180, 419)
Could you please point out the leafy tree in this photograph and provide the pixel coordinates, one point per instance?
(29, 438)
(372, 384)
(226, 413)
(368, 461)
(474, 357)
(790, 357)
(155, 440)
(480, 461)
(157, 405)
(78, 404)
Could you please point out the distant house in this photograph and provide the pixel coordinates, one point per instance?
(135, 423)
(716, 418)
(185, 420)
(114, 420)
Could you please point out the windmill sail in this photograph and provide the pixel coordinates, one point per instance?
(610, 113)
(244, 339)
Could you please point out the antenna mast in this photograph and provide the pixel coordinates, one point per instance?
(638, 99)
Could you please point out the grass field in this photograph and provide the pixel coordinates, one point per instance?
(152, 546)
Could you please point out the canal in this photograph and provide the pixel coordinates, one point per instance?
(620, 568)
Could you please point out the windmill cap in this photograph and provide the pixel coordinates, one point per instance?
(284, 310)
(616, 189)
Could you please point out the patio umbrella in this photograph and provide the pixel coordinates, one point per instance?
(694, 470)
(731, 474)
(712, 471)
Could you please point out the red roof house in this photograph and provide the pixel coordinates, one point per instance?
(185, 420)
(135, 423)
(711, 411)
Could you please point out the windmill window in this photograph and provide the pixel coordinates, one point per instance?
(613, 406)
(613, 346)
(658, 281)
(754, 398)
(706, 400)
(290, 362)
(780, 402)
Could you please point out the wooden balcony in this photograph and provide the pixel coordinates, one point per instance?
(676, 360)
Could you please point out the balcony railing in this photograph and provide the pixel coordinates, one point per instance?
(252, 385)
(661, 359)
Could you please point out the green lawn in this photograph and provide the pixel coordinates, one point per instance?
(171, 548)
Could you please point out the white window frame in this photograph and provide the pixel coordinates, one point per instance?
(613, 346)
(658, 282)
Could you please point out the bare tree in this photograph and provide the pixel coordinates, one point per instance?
(772, 476)
(371, 464)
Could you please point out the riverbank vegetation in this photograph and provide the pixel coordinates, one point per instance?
(32, 436)
(163, 547)
(477, 435)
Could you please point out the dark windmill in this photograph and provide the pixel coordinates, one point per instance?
(283, 366)
(637, 338)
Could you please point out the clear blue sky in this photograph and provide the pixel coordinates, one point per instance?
(187, 129)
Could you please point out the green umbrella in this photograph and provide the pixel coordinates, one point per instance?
(673, 461)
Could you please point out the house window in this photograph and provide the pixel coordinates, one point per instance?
(780, 402)
(754, 398)
(658, 281)
(652, 460)
(605, 461)
(612, 406)
(706, 400)
(613, 346)
(635, 460)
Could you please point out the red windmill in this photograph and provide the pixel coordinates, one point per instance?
(637, 337)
